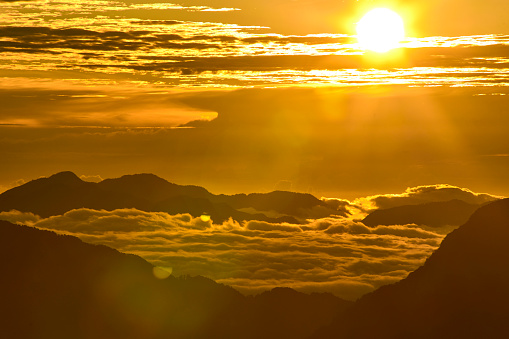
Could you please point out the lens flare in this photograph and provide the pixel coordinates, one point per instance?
(162, 272)
(205, 217)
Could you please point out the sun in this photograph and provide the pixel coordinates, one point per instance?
(380, 30)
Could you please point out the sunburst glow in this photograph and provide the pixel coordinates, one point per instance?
(380, 30)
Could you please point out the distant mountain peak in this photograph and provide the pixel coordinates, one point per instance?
(146, 176)
(63, 180)
(66, 176)
(139, 179)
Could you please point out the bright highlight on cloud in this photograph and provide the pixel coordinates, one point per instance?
(421, 195)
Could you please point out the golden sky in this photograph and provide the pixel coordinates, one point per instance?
(282, 90)
(245, 96)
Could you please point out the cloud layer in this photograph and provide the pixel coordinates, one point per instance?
(335, 255)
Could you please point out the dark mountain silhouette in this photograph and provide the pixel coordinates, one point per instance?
(56, 286)
(64, 191)
(462, 290)
(279, 309)
(290, 203)
(151, 187)
(434, 214)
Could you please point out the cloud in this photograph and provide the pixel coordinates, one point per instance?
(307, 39)
(347, 226)
(472, 63)
(407, 231)
(17, 217)
(267, 227)
(91, 178)
(161, 51)
(424, 194)
(90, 221)
(343, 206)
(58, 40)
(95, 108)
(332, 254)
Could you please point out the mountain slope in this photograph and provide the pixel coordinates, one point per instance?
(462, 291)
(434, 214)
(56, 286)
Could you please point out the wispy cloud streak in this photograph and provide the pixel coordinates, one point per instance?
(129, 41)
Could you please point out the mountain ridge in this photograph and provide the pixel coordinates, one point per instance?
(64, 191)
(453, 212)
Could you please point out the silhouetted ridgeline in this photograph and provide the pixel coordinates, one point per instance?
(462, 291)
(435, 214)
(64, 191)
(55, 286)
